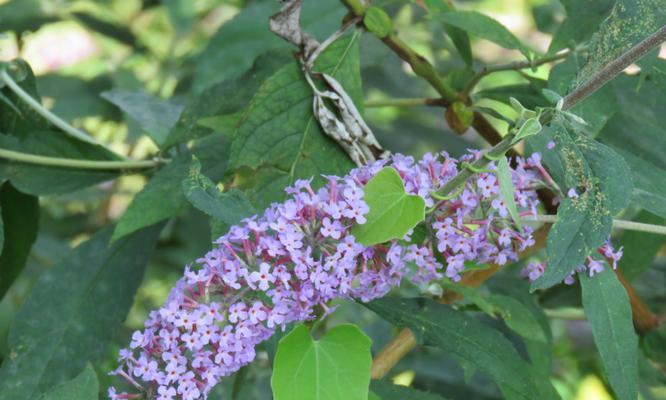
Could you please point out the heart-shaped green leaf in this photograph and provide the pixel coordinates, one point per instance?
(393, 212)
(335, 367)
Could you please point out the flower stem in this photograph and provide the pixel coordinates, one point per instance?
(77, 163)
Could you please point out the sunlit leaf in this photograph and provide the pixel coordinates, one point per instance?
(393, 211)
(335, 367)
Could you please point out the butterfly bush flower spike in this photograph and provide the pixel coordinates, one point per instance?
(287, 265)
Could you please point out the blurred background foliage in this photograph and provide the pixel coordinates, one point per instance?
(125, 70)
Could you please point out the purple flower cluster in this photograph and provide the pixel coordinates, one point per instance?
(287, 265)
(606, 255)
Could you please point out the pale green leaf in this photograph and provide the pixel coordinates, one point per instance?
(393, 212)
(335, 367)
(506, 188)
(529, 128)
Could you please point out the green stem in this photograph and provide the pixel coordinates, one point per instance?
(614, 68)
(461, 177)
(514, 66)
(617, 223)
(77, 163)
(41, 110)
(403, 103)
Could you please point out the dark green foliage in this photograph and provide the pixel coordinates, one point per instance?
(74, 309)
(473, 342)
(20, 222)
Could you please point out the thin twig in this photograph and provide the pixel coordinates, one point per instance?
(405, 103)
(513, 66)
(79, 164)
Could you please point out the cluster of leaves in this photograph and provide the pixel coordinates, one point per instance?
(232, 112)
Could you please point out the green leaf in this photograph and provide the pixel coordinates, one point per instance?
(155, 116)
(335, 367)
(608, 310)
(540, 352)
(583, 19)
(377, 22)
(653, 344)
(506, 189)
(160, 199)
(84, 387)
(20, 217)
(27, 119)
(475, 343)
(73, 311)
(278, 135)
(182, 14)
(229, 207)
(529, 94)
(393, 212)
(458, 36)
(640, 111)
(225, 99)
(75, 97)
(238, 42)
(529, 128)
(24, 15)
(386, 390)
(485, 27)
(2, 231)
(629, 22)
(601, 179)
(518, 317)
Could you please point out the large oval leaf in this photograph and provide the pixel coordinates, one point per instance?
(608, 310)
